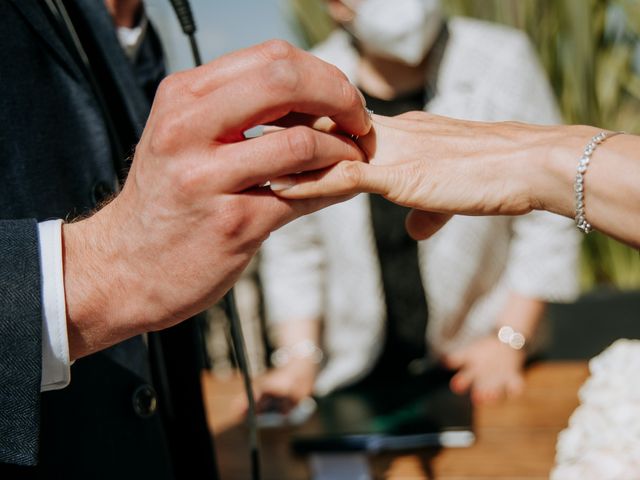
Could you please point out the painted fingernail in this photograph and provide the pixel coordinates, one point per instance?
(282, 183)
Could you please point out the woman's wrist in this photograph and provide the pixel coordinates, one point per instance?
(552, 186)
(303, 351)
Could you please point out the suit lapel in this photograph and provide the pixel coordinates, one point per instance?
(33, 13)
(119, 66)
(136, 104)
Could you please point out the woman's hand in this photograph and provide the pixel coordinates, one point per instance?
(281, 389)
(441, 166)
(490, 369)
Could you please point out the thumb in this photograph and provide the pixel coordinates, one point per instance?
(421, 225)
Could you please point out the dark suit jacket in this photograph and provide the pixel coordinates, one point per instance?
(57, 160)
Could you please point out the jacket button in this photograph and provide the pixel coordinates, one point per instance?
(145, 401)
(100, 192)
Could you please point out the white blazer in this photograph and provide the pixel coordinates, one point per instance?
(324, 265)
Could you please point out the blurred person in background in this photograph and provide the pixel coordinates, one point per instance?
(349, 295)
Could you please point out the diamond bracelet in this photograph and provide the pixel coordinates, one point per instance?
(578, 186)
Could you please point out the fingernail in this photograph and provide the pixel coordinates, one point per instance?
(283, 183)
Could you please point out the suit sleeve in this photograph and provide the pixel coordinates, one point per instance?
(20, 341)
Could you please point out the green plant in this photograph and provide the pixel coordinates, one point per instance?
(315, 24)
(591, 50)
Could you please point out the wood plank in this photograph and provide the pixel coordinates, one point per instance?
(515, 438)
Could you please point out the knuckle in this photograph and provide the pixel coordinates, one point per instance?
(235, 220)
(167, 134)
(282, 77)
(277, 49)
(301, 142)
(339, 74)
(175, 86)
(352, 99)
(168, 88)
(187, 179)
(404, 182)
(163, 89)
(351, 173)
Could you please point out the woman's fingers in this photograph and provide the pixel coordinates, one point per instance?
(322, 124)
(422, 225)
(283, 152)
(486, 394)
(348, 178)
(514, 386)
(461, 382)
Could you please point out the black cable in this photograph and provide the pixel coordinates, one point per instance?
(188, 24)
(194, 49)
(237, 338)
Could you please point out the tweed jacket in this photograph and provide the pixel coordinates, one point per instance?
(57, 161)
(324, 266)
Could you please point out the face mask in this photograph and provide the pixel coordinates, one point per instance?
(402, 30)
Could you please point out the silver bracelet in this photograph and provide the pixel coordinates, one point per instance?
(578, 186)
(511, 337)
(306, 349)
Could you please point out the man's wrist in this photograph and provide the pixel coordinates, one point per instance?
(99, 300)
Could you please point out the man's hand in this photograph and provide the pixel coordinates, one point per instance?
(490, 369)
(191, 213)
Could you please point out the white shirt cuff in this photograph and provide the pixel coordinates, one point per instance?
(56, 367)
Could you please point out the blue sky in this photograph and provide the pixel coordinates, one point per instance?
(223, 26)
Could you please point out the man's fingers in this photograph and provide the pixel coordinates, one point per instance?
(273, 91)
(323, 124)
(232, 66)
(284, 152)
(235, 65)
(421, 225)
(272, 212)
